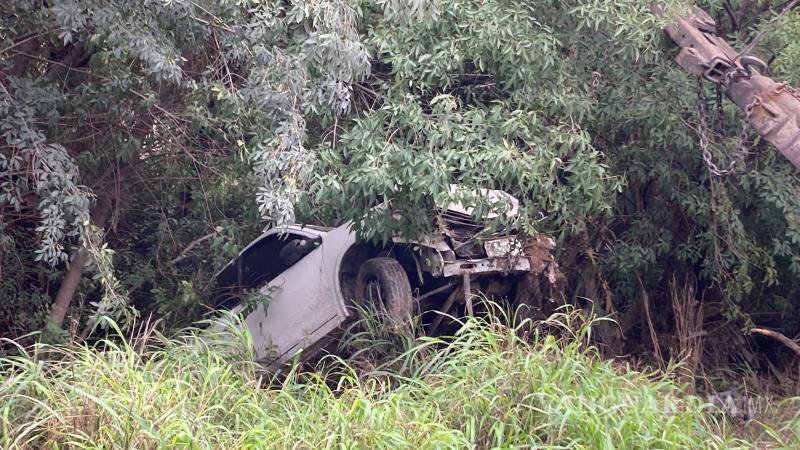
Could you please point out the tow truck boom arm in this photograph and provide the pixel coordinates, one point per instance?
(772, 108)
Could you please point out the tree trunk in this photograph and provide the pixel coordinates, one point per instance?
(75, 272)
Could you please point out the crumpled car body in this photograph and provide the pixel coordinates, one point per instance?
(296, 285)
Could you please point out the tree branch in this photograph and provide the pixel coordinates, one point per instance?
(75, 272)
(780, 337)
(184, 253)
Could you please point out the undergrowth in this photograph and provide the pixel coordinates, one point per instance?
(485, 387)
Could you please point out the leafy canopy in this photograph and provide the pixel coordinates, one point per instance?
(202, 121)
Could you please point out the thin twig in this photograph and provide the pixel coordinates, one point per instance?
(33, 36)
(729, 10)
(653, 334)
(766, 28)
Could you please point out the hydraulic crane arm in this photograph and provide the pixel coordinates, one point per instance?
(772, 108)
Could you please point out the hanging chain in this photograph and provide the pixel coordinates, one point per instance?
(702, 130)
(789, 89)
(720, 123)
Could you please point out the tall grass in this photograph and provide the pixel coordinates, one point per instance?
(484, 387)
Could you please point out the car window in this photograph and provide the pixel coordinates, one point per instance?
(261, 263)
(272, 255)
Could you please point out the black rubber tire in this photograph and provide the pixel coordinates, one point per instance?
(394, 285)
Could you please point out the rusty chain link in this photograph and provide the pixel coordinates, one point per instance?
(785, 86)
(702, 130)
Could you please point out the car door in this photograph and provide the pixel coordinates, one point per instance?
(289, 304)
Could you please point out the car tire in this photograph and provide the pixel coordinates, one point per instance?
(395, 290)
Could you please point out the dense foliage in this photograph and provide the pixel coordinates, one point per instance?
(485, 389)
(176, 117)
(184, 127)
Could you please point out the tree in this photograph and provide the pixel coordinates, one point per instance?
(577, 108)
(119, 103)
(201, 121)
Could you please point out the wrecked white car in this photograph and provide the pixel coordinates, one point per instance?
(307, 279)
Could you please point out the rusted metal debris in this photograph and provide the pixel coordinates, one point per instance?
(772, 108)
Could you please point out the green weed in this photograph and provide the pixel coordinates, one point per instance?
(485, 387)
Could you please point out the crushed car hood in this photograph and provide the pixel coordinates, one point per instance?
(493, 197)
